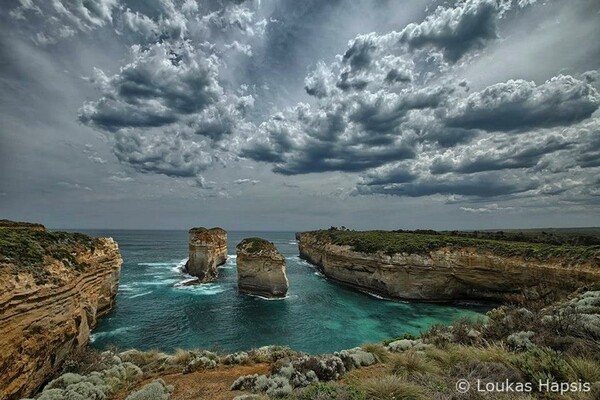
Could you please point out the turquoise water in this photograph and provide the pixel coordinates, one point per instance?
(318, 316)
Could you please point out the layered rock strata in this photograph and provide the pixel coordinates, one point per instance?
(261, 269)
(447, 273)
(53, 288)
(207, 250)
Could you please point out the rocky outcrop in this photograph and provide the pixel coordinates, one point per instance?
(207, 250)
(261, 269)
(446, 273)
(53, 288)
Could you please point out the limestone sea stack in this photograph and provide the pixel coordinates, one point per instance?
(261, 269)
(53, 288)
(207, 250)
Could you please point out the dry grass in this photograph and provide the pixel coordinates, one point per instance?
(391, 387)
(411, 363)
(585, 369)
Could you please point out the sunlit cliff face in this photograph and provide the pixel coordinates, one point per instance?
(290, 115)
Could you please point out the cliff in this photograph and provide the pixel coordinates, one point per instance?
(261, 268)
(53, 288)
(444, 268)
(207, 250)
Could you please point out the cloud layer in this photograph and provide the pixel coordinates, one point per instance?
(392, 108)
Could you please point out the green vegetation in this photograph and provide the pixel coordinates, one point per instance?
(255, 244)
(25, 249)
(423, 243)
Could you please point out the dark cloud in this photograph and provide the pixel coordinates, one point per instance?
(163, 84)
(455, 30)
(521, 105)
(170, 155)
(483, 185)
(350, 133)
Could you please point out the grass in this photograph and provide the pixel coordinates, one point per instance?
(25, 249)
(422, 243)
(391, 387)
(411, 363)
(585, 369)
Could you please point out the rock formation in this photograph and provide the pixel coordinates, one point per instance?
(207, 250)
(53, 288)
(261, 269)
(446, 273)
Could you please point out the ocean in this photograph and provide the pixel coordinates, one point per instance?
(318, 316)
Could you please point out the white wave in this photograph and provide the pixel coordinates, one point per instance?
(156, 264)
(118, 331)
(232, 256)
(160, 282)
(288, 297)
(188, 279)
(293, 242)
(204, 289)
(180, 267)
(125, 288)
(138, 295)
(374, 295)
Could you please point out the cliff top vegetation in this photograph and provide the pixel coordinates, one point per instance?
(255, 244)
(422, 242)
(25, 249)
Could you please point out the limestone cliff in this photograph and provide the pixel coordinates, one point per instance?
(207, 250)
(261, 268)
(433, 269)
(53, 288)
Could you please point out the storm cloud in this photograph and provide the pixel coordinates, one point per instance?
(426, 109)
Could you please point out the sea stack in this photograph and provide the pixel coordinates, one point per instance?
(207, 250)
(261, 269)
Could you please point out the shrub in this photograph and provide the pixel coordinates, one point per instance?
(520, 340)
(201, 360)
(542, 363)
(356, 358)
(246, 382)
(329, 391)
(272, 353)
(155, 390)
(408, 336)
(391, 387)
(378, 350)
(236, 358)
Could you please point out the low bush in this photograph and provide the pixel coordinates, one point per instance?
(155, 390)
(543, 363)
(329, 391)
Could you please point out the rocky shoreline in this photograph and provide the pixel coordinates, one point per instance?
(450, 272)
(53, 288)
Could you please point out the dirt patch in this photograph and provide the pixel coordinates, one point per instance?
(206, 384)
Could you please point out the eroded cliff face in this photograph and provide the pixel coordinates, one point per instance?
(447, 273)
(261, 269)
(207, 250)
(53, 288)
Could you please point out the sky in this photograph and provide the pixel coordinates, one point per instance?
(295, 115)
